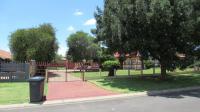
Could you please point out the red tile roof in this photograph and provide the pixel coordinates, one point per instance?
(133, 54)
(5, 54)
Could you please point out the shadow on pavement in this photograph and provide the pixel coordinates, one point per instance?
(51, 74)
(180, 95)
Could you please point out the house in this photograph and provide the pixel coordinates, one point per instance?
(132, 60)
(5, 56)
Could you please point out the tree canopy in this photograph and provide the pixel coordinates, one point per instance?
(162, 29)
(82, 46)
(34, 43)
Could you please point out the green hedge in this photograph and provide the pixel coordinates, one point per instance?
(110, 64)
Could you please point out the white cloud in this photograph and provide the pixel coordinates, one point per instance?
(90, 22)
(78, 13)
(71, 29)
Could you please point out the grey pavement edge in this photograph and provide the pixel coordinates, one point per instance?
(184, 101)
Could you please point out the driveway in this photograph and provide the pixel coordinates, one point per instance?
(74, 90)
(174, 102)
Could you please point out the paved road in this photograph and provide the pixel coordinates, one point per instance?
(176, 102)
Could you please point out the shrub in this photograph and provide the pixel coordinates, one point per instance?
(110, 64)
(104, 58)
(197, 64)
(148, 64)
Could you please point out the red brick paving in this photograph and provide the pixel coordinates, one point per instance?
(75, 89)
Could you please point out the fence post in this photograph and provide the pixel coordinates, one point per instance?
(83, 75)
(46, 75)
(100, 72)
(66, 75)
(141, 71)
(10, 77)
(114, 72)
(26, 69)
(32, 67)
(154, 71)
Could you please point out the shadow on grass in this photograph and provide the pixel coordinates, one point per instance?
(184, 79)
(139, 84)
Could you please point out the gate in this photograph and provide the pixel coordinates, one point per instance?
(57, 72)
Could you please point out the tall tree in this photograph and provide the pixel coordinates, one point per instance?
(34, 43)
(196, 14)
(82, 46)
(162, 29)
(171, 28)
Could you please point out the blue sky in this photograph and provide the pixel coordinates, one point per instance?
(67, 16)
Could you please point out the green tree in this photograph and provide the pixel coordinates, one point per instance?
(196, 4)
(82, 46)
(111, 65)
(170, 30)
(109, 31)
(58, 58)
(161, 29)
(34, 43)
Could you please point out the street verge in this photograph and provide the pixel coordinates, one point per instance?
(100, 98)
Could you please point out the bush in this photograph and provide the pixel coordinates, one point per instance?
(110, 64)
(148, 64)
(104, 58)
(197, 64)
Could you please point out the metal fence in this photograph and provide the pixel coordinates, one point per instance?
(14, 71)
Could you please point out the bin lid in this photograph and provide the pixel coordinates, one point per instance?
(36, 79)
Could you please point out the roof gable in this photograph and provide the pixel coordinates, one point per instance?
(5, 54)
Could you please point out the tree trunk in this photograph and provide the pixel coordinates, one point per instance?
(142, 66)
(122, 58)
(111, 72)
(163, 72)
(121, 63)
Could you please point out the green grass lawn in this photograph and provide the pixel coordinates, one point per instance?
(15, 93)
(104, 74)
(11, 93)
(177, 79)
(97, 75)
